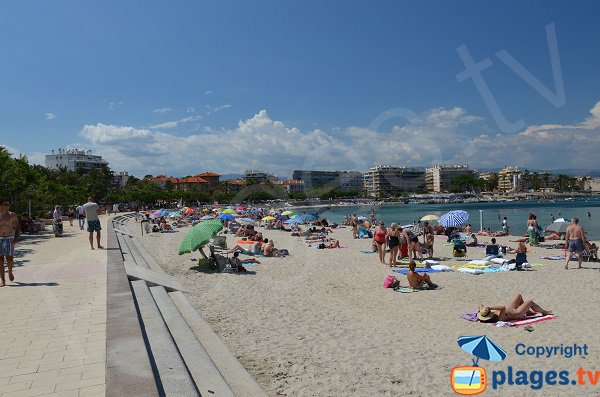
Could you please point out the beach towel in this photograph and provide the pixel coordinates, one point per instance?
(492, 269)
(472, 316)
(499, 261)
(407, 290)
(470, 271)
(554, 258)
(442, 268)
(244, 242)
(368, 252)
(482, 262)
(418, 270)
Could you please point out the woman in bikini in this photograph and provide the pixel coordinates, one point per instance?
(393, 241)
(379, 238)
(517, 309)
(532, 230)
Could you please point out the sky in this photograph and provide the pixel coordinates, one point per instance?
(179, 88)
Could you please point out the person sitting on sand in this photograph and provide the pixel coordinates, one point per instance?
(164, 226)
(593, 249)
(492, 249)
(517, 309)
(521, 252)
(472, 243)
(416, 280)
(237, 263)
(241, 232)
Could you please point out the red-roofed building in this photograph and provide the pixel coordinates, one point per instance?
(210, 177)
(180, 183)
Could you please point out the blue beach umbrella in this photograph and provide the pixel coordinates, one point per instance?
(481, 347)
(309, 217)
(256, 211)
(207, 217)
(226, 217)
(454, 218)
(294, 220)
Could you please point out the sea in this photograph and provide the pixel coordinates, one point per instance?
(491, 213)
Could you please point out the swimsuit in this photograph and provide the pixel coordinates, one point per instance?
(380, 237)
(393, 241)
(93, 226)
(576, 245)
(6, 246)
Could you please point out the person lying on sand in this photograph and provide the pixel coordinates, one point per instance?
(553, 236)
(334, 243)
(517, 309)
(416, 280)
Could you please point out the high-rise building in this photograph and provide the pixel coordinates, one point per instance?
(258, 176)
(509, 179)
(386, 180)
(439, 177)
(342, 180)
(74, 159)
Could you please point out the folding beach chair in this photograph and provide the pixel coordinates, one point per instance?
(459, 250)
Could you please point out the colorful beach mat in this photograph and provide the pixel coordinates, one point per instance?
(407, 290)
(418, 270)
(472, 316)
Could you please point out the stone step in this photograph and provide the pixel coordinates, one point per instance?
(172, 373)
(234, 373)
(205, 374)
(135, 272)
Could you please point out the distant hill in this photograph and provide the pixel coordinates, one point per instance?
(577, 172)
(228, 177)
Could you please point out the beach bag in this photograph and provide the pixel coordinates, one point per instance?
(321, 246)
(390, 282)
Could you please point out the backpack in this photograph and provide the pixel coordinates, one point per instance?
(390, 282)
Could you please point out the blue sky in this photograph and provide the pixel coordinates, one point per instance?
(183, 87)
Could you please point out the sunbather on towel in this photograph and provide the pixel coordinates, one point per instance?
(416, 280)
(517, 309)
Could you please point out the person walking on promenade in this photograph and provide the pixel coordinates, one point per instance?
(575, 239)
(9, 233)
(91, 213)
(80, 216)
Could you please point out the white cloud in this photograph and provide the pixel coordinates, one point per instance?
(449, 136)
(173, 124)
(50, 116)
(162, 110)
(211, 110)
(207, 92)
(111, 105)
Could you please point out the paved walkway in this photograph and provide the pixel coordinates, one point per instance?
(53, 317)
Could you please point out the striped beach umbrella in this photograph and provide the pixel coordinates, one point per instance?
(454, 218)
(482, 347)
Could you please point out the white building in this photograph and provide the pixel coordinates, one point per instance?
(386, 180)
(439, 177)
(120, 180)
(73, 159)
(592, 185)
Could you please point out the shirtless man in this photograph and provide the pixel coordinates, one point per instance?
(416, 280)
(91, 213)
(9, 232)
(575, 238)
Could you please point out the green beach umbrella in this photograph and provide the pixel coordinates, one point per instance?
(228, 211)
(284, 213)
(200, 235)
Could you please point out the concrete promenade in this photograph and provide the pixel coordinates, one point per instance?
(53, 317)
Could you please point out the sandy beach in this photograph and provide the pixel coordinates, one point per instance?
(320, 323)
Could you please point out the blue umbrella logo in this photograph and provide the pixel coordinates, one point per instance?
(481, 347)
